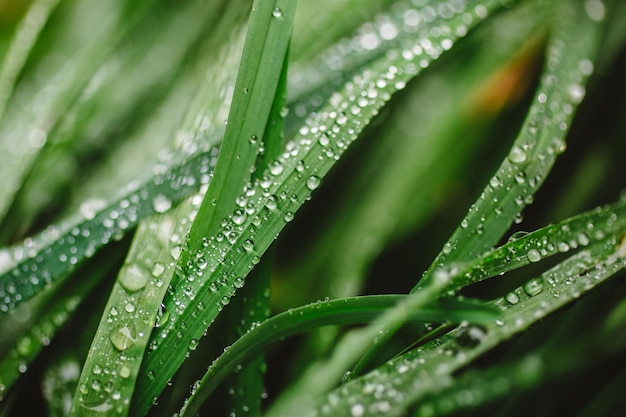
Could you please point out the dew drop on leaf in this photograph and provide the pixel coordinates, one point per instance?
(133, 278)
(158, 269)
(124, 371)
(471, 336)
(511, 298)
(517, 155)
(533, 255)
(534, 286)
(357, 410)
(576, 93)
(248, 245)
(312, 182)
(161, 203)
(122, 338)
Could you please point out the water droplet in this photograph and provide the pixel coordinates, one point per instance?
(161, 203)
(239, 216)
(517, 235)
(276, 168)
(512, 298)
(248, 245)
(90, 208)
(133, 278)
(193, 344)
(24, 346)
(312, 182)
(357, 410)
(239, 282)
(122, 338)
(517, 155)
(470, 336)
(125, 371)
(158, 269)
(277, 12)
(595, 9)
(533, 255)
(583, 239)
(576, 93)
(586, 67)
(288, 216)
(534, 286)
(562, 246)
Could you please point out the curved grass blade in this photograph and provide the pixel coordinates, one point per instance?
(232, 253)
(117, 349)
(250, 305)
(477, 388)
(257, 82)
(354, 310)
(62, 87)
(429, 368)
(568, 235)
(116, 102)
(134, 307)
(23, 339)
(316, 31)
(569, 64)
(169, 183)
(419, 151)
(26, 35)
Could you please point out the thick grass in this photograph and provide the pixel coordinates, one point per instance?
(161, 254)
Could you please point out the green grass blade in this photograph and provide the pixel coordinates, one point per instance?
(63, 85)
(119, 98)
(73, 246)
(289, 182)
(569, 64)
(257, 81)
(31, 327)
(249, 120)
(354, 310)
(250, 305)
(26, 35)
(416, 156)
(134, 307)
(429, 369)
(568, 235)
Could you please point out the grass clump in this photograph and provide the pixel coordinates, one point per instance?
(421, 197)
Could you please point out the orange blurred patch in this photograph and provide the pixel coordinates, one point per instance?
(11, 11)
(506, 85)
